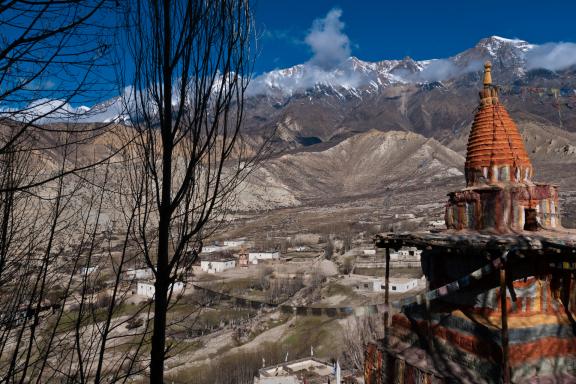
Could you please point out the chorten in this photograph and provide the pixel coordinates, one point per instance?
(500, 195)
(501, 297)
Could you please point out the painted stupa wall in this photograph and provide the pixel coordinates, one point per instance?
(504, 208)
(467, 341)
(499, 195)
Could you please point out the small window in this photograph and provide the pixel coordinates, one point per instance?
(393, 287)
(530, 219)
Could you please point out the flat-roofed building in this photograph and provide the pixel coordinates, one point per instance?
(256, 257)
(147, 288)
(217, 265)
(309, 370)
(234, 243)
(138, 273)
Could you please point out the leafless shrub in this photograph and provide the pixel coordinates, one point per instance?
(358, 332)
(329, 250)
(347, 265)
(136, 322)
(283, 288)
(263, 277)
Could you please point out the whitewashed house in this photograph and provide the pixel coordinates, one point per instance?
(256, 257)
(234, 243)
(138, 273)
(370, 252)
(305, 370)
(147, 289)
(375, 285)
(437, 224)
(404, 216)
(397, 285)
(409, 253)
(212, 248)
(217, 265)
(401, 285)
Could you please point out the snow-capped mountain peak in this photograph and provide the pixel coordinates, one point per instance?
(354, 73)
(494, 44)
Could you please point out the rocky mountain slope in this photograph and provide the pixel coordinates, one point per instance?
(376, 163)
(366, 164)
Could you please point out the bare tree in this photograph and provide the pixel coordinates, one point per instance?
(53, 54)
(329, 249)
(192, 68)
(263, 277)
(358, 332)
(61, 292)
(347, 265)
(175, 170)
(51, 196)
(283, 288)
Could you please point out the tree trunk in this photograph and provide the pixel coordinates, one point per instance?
(160, 300)
(159, 333)
(163, 273)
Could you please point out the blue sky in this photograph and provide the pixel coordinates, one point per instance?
(393, 29)
(324, 33)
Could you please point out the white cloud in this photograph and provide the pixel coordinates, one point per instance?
(304, 77)
(443, 69)
(551, 56)
(328, 65)
(329, 44)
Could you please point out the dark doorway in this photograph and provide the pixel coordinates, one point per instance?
(530, 219)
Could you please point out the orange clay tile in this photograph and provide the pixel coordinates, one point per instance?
(494, 138)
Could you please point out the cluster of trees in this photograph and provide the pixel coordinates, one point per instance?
(182, 68)
(283, 288)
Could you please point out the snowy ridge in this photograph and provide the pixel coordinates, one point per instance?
(351, 77)
(355, 74)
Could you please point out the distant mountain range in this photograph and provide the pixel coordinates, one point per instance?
(366, 129)
(362, 128)
(435, 98)
(511, 59)
(354, 94)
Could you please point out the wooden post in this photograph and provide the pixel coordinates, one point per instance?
(566, 284)
(504, 333)
(387, 371)
(386, 295)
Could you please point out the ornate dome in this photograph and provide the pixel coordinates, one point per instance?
(496, 151)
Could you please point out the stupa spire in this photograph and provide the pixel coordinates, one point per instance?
(489, 94)
(495, 152)
(487, 74)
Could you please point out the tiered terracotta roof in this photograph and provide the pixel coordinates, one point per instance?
(494, 139)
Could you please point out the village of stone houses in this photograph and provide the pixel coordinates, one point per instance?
(238, 192)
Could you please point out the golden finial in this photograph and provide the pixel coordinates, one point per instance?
(487, 74)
